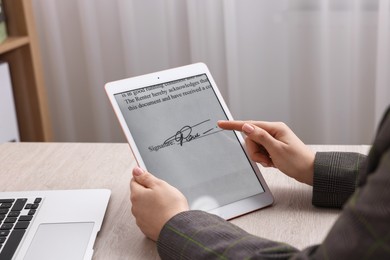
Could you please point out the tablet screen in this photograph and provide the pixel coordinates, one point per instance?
(174, 126)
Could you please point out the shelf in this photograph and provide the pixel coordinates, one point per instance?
(12, 43)
(21, 51)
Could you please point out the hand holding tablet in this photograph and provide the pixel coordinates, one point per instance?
(170, 121)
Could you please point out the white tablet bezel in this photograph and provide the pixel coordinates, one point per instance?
(229, 211)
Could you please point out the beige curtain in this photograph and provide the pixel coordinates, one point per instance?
(320, 66)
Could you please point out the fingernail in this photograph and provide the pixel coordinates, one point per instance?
(137, 171)
(247, 128)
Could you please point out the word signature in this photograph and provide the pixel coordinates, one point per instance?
(187, 134)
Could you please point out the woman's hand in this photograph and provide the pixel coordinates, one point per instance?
(154, 202)
(274, 144)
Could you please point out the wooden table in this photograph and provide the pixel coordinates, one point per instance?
(44, 166)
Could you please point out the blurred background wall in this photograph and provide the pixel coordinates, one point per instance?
(321, 66)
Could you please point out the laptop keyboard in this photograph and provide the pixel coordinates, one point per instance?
(15, 216)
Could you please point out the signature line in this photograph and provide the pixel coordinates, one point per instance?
(208, 130)
(201, 122)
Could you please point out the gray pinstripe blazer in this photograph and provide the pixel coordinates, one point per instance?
(358, 185)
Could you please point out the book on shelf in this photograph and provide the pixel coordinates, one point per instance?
(9, 131)
(3, 27)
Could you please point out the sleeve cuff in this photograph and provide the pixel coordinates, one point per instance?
(335, 177)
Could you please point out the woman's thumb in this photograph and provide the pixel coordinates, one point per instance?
(143, 177)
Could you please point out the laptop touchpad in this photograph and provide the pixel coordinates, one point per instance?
(60, 241)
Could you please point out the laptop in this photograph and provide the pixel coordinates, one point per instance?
(58, 224)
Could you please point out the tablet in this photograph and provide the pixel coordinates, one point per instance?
(170, 121)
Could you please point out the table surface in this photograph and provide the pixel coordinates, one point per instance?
(45, 166)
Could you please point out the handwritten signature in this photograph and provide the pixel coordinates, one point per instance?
(187, 134)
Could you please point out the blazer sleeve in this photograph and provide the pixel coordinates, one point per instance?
(335, 177)
(200, 235)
